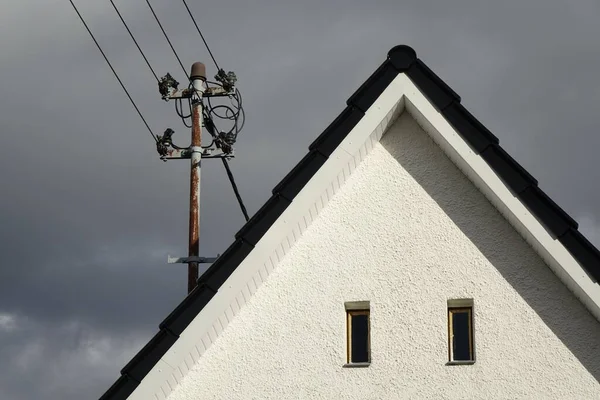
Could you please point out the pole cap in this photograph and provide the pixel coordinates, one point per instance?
(198, 71)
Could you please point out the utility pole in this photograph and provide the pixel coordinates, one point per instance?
(221, 146)
(198, 78)
(222, 142)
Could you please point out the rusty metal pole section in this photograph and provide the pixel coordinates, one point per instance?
(198, 78)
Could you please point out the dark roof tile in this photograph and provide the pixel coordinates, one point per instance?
(369, 91)
(513, 175)
(402, 57)
(583, 251)
(293, 182)
(337, 131)
(435, 89)
(121, 389)
(222, 269)
(547, 211)
(260, 223)
(473, 131)
(150, 354)
(187, 310)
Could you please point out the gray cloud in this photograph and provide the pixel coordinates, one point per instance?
(90, 213)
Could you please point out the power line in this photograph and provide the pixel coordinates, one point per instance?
(235, 189)
(134, 41)
(234, 116)
(201, 35)
(168, 40)
(113, 70)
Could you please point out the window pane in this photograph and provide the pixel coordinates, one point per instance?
(461, 342)
(360, 338)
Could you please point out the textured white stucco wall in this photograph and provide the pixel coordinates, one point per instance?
(407, 232)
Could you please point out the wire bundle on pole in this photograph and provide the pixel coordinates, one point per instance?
(232, 112)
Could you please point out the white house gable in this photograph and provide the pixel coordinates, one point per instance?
(407, 232)
(406, 255)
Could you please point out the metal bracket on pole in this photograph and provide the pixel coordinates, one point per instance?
(185, 154)
(187, 93)
(194, 259)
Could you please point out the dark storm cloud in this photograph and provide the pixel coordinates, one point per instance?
(89, 213)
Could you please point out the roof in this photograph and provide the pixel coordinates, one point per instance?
(401, 60)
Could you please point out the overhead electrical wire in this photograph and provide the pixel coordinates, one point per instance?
(235, 189)
(134, 41)
(179, 110)
(217, 140)
(113, 70)
(168, 40)
(200, 33)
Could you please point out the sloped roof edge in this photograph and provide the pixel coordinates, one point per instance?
(401, 59)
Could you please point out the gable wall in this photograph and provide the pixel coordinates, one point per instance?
(406, 232)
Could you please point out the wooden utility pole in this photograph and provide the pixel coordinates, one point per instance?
(198, 78)
(221, 147)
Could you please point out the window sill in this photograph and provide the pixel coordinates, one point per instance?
(467, 362)
(356, 365)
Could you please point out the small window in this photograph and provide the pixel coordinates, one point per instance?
(460, 333)
(358, 333)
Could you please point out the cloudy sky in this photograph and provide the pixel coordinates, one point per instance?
(88, 212)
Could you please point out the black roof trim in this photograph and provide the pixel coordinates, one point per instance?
(150, 354)
(585, 252)
(337, 131)
(511, 172)
(400, 59)
(187, 310)
(293, 182)
(260, 223)
(121, 389)
(222, 269)
(435, 89)
(547, 211)
(370, 90)
(473, 131)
